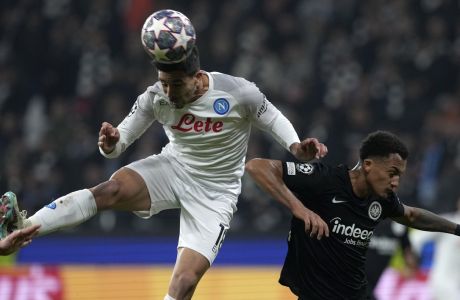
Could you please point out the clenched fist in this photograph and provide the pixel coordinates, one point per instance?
(108, 137)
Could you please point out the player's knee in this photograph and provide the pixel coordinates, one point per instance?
(185, 282)
(107, 194)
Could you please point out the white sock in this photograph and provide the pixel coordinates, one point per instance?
(67, 211)
(167, 297)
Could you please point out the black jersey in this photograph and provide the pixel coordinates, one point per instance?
(332, 268)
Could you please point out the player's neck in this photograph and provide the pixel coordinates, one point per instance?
(358, 182)
(204, 82)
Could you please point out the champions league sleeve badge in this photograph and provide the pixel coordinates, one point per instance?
(305, 168)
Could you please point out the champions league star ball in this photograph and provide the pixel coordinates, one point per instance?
(168, 36)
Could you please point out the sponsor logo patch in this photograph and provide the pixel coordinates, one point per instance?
(134, 108)
(263, 108)
(189, 122)
(351, 234)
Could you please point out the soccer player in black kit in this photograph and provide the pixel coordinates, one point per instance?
(344, 206)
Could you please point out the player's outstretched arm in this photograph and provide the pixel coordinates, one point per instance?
(308, 149)
(425, 220)
(268, 174)
(108, 137)
(18, 239)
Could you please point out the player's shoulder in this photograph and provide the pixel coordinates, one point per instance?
(236, 86)
(393, 198)
(154, 89)
(151, 97)
(226, 82)
(154, 93)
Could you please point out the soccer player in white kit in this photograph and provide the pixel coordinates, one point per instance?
(207, 117)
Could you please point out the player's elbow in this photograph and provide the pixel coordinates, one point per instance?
(259, 167)
(251, 166)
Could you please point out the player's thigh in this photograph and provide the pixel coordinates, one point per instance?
(132, 192)
(163, 180)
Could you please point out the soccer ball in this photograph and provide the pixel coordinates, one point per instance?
(168, 36)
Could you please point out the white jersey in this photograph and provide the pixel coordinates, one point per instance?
(208, 137)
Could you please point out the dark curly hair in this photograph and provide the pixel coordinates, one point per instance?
(382, 144)
(191, 65)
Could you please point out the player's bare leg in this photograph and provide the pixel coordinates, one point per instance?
(190, 267)
(126, 190)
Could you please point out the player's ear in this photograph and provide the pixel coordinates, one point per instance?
(198, 75)
(367, 164)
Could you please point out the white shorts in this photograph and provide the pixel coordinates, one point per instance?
(205, 213)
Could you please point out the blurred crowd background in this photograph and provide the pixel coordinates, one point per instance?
(337, 69)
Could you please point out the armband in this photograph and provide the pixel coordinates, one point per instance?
(457, 230)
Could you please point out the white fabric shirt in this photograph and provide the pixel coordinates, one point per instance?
(208, 137)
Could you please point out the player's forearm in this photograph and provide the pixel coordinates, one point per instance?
(130, 129)
(268, 176)
(282, 130)
(425, 220)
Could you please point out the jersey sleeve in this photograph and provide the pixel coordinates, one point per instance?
(267, 117)
(134, 124)
(395, 207)
(303, 178)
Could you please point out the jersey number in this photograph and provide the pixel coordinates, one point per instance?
(220, 238)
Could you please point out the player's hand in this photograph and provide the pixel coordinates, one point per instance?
(308, 149)
(314, 224)
(108, 137)
(18, 239)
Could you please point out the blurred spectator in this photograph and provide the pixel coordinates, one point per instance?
(444, 277)
(388, 238)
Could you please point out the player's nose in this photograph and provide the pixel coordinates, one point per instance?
(395, 183)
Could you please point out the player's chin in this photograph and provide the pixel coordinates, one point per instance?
(389, 193)
(177, 104)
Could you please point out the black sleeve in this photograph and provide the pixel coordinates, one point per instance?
(395, 207)
(302, 177)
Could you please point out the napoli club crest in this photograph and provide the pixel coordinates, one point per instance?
(221, 106)
(375, 210)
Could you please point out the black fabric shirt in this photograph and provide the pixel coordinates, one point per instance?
(332, 268)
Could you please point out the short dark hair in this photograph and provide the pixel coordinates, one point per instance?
(191, 65)
(382, 144)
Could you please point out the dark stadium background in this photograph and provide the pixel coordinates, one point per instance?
(337, 69)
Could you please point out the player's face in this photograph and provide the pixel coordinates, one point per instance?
(178, 86)
(383, 174)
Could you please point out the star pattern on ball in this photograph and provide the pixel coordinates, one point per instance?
(181, 38)
(157, 27)
(160, 54)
